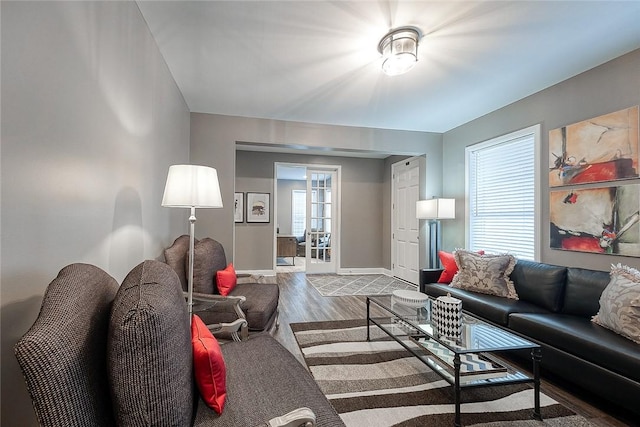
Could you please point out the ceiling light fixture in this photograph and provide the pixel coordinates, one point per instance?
(399, 49)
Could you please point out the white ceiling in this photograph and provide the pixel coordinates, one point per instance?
(317, 62)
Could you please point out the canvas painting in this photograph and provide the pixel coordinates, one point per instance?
(601, 220)
(601, 149)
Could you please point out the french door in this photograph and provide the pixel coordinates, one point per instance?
(321, 221)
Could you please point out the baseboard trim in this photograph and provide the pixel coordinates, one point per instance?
(262, 276)
(361, 271)
(342, 271)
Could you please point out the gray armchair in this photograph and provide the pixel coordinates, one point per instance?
(257, 303)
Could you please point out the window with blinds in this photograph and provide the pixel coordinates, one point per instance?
(502, 181)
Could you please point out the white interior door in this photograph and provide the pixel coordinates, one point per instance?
(321, 227)
(405, 245)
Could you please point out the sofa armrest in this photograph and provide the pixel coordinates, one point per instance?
(429, 275)
(301, 417)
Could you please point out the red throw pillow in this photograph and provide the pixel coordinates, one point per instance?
(208, 365)
(449, 265)
(226, 280)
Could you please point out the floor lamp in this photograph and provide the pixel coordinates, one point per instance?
(192, 186)
(434, 210)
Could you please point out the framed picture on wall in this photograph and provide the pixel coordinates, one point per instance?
(258, 209)
(238, 207)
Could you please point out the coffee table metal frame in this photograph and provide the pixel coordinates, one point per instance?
(417, 325)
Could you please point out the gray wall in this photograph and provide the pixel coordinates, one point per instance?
(91, 121)
(213, 141)
(610, 87)
(284, 200)
(361, 200)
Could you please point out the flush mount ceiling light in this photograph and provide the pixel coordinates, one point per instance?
(399, 49)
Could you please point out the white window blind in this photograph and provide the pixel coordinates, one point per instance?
(298, 211)
(502, 195)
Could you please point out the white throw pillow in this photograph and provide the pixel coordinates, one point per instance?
(620, 303)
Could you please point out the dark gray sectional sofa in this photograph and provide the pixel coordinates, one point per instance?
(554, 309)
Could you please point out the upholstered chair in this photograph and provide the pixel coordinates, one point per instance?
(250, 300)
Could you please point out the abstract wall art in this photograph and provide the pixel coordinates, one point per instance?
(600, 220)
(601, 149)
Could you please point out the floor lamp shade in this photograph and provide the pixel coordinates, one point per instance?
(192, 186)
(434, 210)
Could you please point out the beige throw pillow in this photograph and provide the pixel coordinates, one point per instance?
(620, 303)
(486, 274)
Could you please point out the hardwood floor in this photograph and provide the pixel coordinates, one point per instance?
(300, 302)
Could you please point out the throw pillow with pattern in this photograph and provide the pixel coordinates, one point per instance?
(486, 274)
(620, 303)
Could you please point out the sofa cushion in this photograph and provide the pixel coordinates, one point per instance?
(259, 308)
(620, 303)
(208, 259)
(583, 338)
(261, 304)
(208, 366)
(226, 280)
(261, 388)
(149, 349)
(175, 255)
(583, 290)
(487, 274)
(540, 284)
(490, 307)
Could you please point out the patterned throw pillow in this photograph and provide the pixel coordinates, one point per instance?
(448, 262)
(486, 274)
(620, 303)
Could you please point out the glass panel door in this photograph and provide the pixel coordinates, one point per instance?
(320, 217)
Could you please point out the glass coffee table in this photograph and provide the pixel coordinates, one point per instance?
(467, 361)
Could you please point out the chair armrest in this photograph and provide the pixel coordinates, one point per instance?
(233, 300)
(301, 417)
(231, 328)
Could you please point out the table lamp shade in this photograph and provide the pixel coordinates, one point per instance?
(436, 209)
(192, 186)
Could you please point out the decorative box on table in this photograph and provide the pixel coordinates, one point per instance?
(447, 316)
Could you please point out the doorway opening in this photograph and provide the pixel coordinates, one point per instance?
(307, 213)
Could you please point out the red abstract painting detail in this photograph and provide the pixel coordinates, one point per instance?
(601, 149)
(598, 220)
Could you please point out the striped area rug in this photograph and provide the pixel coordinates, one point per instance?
(380, 384)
